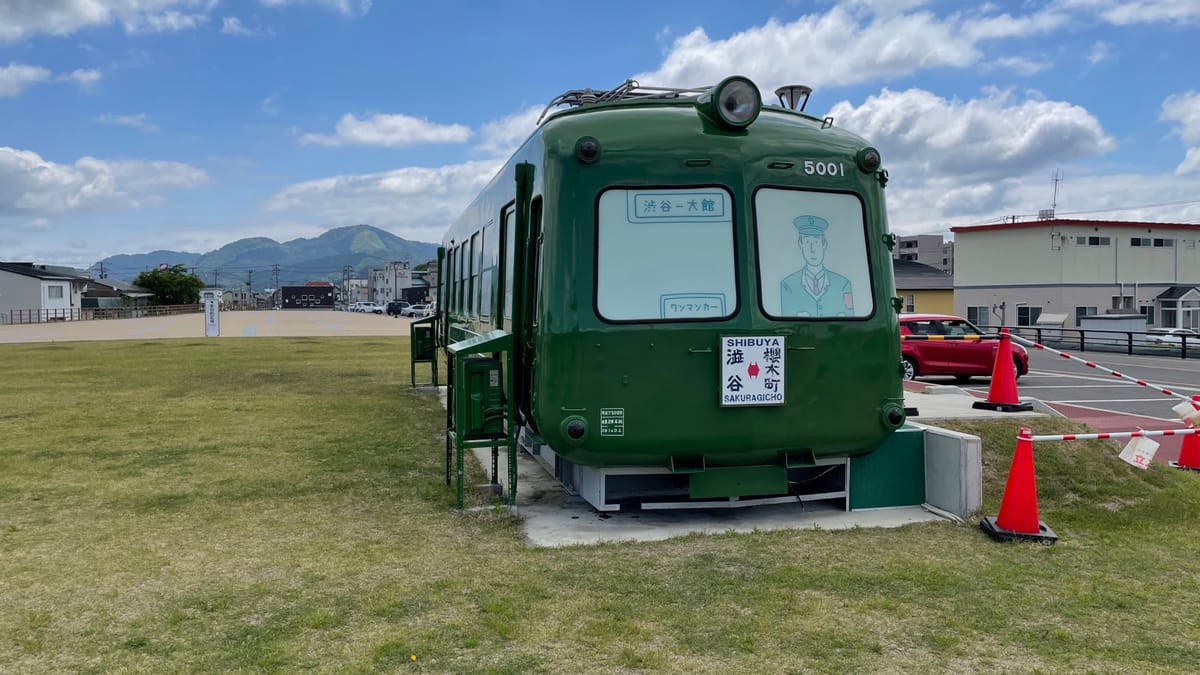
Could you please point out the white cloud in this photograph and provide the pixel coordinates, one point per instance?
(1021, 65)
(500, 138)
(391, 131)
(84, 78)
(848, 45)
(990, 137)
(1101, 51)
(415, 202)
(350, 8)
(1184, 110)
(15, 77)
(24, 18)
(270, 104)
(140, 121)
(31, 184)
(231, 25)
(1128, 12)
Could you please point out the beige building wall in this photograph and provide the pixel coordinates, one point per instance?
(928, 302)
(1060, 267)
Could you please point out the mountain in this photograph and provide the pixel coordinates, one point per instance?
(359, 247)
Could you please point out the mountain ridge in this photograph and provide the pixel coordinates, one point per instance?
(252, 259)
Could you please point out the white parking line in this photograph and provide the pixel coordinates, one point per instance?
(1180, 386)
(1023, 387)
(1118, 412)
(1110, 400)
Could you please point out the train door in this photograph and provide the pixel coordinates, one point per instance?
(526, 398)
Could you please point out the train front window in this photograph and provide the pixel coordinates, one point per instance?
(665, 255)
(812, 254)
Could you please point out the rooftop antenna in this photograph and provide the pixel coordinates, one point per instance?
(793, 96)
(1048, 214)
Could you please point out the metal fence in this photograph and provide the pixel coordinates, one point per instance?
(18, 316)
(1111, 341)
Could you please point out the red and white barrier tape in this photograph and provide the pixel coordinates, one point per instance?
(1115, 434)
(1090, 364)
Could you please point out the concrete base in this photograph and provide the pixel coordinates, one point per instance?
(953, 486)
(554, 518)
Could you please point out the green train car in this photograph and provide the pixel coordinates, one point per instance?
(698, 289)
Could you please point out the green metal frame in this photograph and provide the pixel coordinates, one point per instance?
(489, 343)
(430, 321)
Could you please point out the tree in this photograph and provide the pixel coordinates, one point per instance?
(171, 285)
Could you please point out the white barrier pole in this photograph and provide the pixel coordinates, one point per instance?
(1090, 364)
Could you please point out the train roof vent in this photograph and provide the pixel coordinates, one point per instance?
(793, 96)
(629, 89)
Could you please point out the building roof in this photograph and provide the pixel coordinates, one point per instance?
(1066, 222)
(44, 272)
(120, 286)
(914, 276)
(1175, 292)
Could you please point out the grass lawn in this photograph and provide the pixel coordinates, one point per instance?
(279, 505)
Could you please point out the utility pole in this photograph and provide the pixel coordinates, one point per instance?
(275, 296)
(215, 277)
(102, 274)
(249, 287)
(346, 284)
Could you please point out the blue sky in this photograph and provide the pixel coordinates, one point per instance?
(133, 125)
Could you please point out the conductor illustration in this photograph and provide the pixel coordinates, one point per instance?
(815, 290)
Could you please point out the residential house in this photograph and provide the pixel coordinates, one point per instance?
(1017, 271)
(923, 288)
(104, 293)
(32, 293)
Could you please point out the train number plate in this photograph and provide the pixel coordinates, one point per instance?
(752, 370)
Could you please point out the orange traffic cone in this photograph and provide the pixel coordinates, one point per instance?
(1189, 452)
(1002, 394)
(1018, 517)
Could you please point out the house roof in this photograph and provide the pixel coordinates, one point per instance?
(120, 286)
(44, 272)
(1175, 292)
(1066, 222)
(914, 276)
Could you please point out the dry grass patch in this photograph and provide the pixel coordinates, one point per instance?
(279, 505)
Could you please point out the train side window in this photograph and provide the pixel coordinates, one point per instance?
(487, 271)
(461, 278)
(448, 281)
(812, 254)
(510, 255)
(473, 254)
(665, 254)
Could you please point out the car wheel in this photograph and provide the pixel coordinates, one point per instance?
(1016, 368)
(910, 368)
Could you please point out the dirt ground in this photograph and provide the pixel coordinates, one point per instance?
(279, 323)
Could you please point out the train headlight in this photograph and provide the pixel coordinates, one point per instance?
(892, 416)
(575, 429)
(734, 102)
(868, 160)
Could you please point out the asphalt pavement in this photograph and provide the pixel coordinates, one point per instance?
(1103, 401)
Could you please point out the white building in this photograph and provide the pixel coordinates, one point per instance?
(927, 249)
(390, 282)
(32, 293)
(1012, 272)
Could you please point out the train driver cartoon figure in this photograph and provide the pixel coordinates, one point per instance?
(815, 290)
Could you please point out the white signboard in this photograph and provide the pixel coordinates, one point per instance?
(212, 313)
(1139, 452)
(752, 370)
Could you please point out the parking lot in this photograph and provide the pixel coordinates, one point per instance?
(1054, 379)
(281, 323)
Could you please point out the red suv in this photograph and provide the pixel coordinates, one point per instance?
(960, 358)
